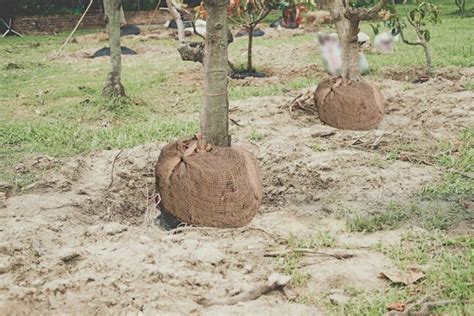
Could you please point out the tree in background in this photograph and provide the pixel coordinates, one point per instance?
(461, 4)
(113, 85)
(424, 13)
(349, 102)
(248, 14)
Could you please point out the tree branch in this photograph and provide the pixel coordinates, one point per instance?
(261, 17)
(360, 14)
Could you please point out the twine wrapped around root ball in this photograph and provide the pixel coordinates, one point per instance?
(344, 104)
(207, 185)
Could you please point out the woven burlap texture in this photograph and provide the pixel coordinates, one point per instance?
(349, 105)
(206, 185)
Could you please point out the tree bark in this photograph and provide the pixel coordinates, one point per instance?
(347, 21)
(113, 85)
(214, 117)
(347, 30)
(123, 21)
(429, 67)
(249, 49)
(177, 18)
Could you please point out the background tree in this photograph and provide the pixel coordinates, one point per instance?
(347, 20)
(173, 8)
(424, 13)
(113, 85)
(248, 14)
(461, 4)
(349, 102)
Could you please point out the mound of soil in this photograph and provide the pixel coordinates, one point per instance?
(242, 74)
(129, 29)
(205, 185)
(106, 52)
(244, 32)
(349, 105)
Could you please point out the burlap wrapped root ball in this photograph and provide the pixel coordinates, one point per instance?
(206, 185)
(354, 105)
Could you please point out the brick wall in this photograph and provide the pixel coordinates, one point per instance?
(49, 24)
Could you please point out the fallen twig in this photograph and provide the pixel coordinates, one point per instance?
(427, 307)
(113, 169)
(275, 281)
(339, 256)
(425, 310)
(298, 103)
(235, 122)
(72, 204)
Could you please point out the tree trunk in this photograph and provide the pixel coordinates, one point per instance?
(177, 18)
(429, 67)
(461, 4)
(214, 117)
(249, 49)
(123, 21)
(347, 30)
(113, 85)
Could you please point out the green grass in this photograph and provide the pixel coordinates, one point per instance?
(439, 205)
(448, 265)
(290, 265)
(469, 85)
(53, 106)
(458, 161)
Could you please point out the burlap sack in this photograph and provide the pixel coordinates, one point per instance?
(355, 106)
(206, 185)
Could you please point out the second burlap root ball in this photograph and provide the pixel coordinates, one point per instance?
(206, 185)
(343, 104)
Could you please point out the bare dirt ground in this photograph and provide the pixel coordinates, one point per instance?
(83, 240)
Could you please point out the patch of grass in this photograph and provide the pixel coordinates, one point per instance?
(448, 266)
(395, 152)
(438, 205)
(458, 180)
(64, 139)
(255, 135)
(290, 264)
(394, 216)
(244, 92)
(317, 147)
(469, 85)
(428, 215)
(378, 161)
(321, 239)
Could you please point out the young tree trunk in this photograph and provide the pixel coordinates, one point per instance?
(429, 66)
(214, 117)
(177, 18)
(249, 49)
(420, 42)
(347, 30)
(461, 4)
(113, 85)
(123, 21)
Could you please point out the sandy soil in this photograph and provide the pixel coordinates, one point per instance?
(83, 240)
